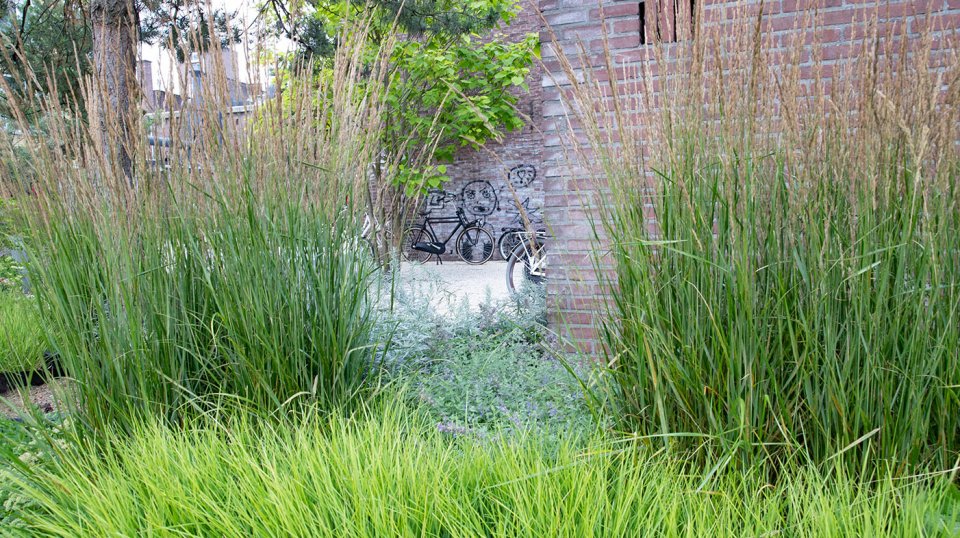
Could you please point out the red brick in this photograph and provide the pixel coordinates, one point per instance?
(617, 10)
(628, 25)
(833, 28)
(617, 43)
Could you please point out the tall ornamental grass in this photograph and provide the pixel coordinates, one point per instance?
(260, 305)
(224, 268)
(390, 474)
(784, 237)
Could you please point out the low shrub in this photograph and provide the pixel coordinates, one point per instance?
(391, 474)
(11, 274)
(485, 371)
(11, 271)
(27, 444)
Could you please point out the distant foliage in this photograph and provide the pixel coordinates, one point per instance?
(185, 27)
(47, 45)
(453, 81)
(49, 38)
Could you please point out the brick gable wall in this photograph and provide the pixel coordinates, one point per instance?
(559, 188)
(573, 291)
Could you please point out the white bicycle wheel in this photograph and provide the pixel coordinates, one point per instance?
(526, 267)
(508, 242)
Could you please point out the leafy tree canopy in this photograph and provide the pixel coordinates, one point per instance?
(433, 19)
(47, 43)
(186, 26)
(456, 96)
(449, 87)
(45, 46)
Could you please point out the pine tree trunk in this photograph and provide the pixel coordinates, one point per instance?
(114, 24)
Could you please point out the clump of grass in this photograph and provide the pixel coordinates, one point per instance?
(22, 341)
(265, 310)
(223, 269)
(783, 233)
(390, 474)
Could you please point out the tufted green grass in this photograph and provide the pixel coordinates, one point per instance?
(387, 473)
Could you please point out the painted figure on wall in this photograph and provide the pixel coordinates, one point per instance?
(482, 199)
(522, 175)
(479, 198)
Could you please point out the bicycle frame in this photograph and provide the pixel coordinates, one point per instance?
(462, 223)
(536, 261)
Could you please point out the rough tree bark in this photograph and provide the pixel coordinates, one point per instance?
(114, 33)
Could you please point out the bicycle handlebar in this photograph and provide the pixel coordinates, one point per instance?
(462, 215)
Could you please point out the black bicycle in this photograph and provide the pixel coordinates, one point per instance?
(474, 244)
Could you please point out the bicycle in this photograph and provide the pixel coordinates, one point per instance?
(527, 264)
(474, 244)
(510, 237)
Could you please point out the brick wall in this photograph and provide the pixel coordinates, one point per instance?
(516, 161)
(573, 292)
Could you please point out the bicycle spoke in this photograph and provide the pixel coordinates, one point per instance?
(411, 237)
(475, 245)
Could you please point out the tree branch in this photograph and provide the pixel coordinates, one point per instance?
(23, 19)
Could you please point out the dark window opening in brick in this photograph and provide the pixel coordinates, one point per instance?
(693, 18)
(666, 21)
(643, 23)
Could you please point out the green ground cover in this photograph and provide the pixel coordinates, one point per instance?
(389, 472)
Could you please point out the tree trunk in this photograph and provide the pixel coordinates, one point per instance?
(114, 24)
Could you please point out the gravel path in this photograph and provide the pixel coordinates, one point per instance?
(454, 284)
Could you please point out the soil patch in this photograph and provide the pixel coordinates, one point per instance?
(14, 401)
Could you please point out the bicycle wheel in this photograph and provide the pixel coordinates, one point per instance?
(508, 242)
(526, 267)
(411, 237)
(475, 245)
(379, 255)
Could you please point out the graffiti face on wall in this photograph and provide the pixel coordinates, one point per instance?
(523, 175)
(478, 198)
(482, 199)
